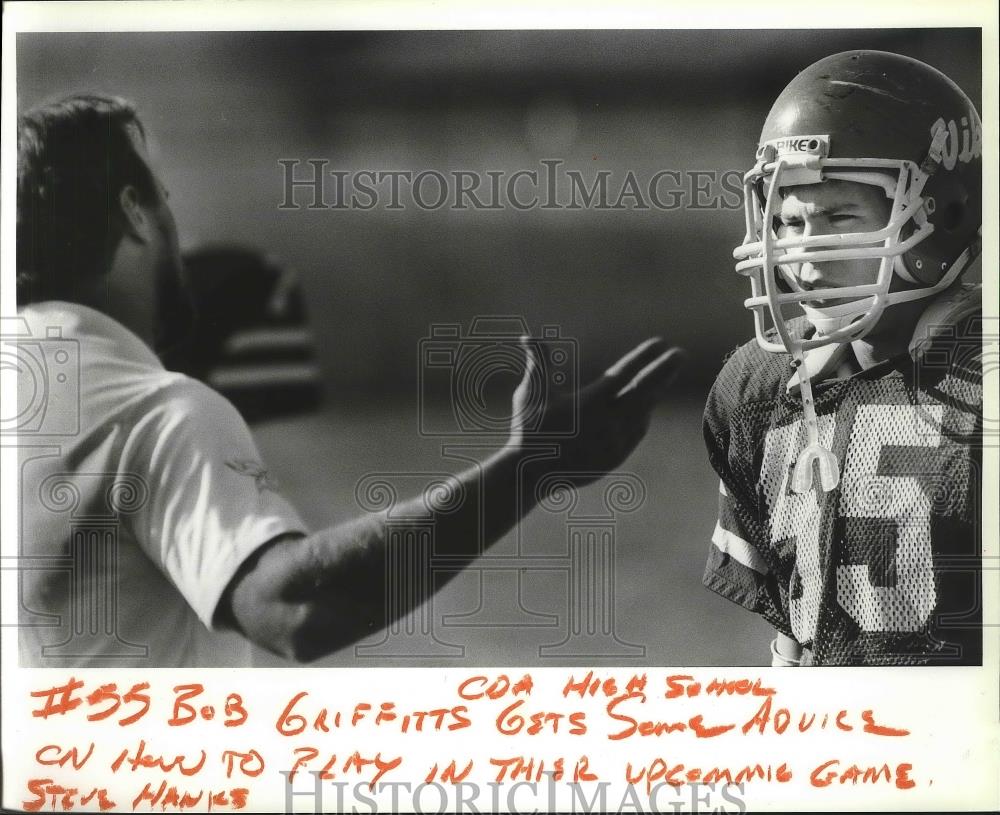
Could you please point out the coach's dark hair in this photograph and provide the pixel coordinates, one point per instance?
(73, 159)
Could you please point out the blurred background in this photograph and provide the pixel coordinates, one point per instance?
(350, 294)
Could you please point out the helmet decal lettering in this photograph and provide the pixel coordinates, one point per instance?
(964, 140)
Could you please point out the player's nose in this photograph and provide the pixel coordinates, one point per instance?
(809, 275)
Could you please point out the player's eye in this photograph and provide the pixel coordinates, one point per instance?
(842, 218)
(787, 223)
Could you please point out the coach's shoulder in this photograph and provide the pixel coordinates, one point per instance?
(184, 400)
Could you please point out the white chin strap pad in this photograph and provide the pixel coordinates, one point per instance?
(828, 319)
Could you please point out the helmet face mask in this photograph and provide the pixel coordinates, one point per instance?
(767, 258)
(866, 117)
(835, 122)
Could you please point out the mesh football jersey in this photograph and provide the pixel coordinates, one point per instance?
(885, 569)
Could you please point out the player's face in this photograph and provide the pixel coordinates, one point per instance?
(831, 208)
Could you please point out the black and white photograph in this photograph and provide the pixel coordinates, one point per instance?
(452, 349)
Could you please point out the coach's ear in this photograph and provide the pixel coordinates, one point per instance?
(136, 220)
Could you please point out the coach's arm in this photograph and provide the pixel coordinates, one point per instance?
(304, 597)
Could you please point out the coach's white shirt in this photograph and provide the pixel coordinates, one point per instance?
(141, 493)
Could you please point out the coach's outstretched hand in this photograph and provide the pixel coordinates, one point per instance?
(597, 426)
(305, 597)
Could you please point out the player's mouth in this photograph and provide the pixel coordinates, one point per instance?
(828, 301)
(797, 284)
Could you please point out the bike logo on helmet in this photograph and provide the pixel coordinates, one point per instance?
(810, 145)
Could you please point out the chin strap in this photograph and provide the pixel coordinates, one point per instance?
(814, 452)
(828, 319)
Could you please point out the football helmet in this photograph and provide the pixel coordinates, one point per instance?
(876, 118)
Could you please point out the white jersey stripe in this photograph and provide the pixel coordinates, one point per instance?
(738, 549)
